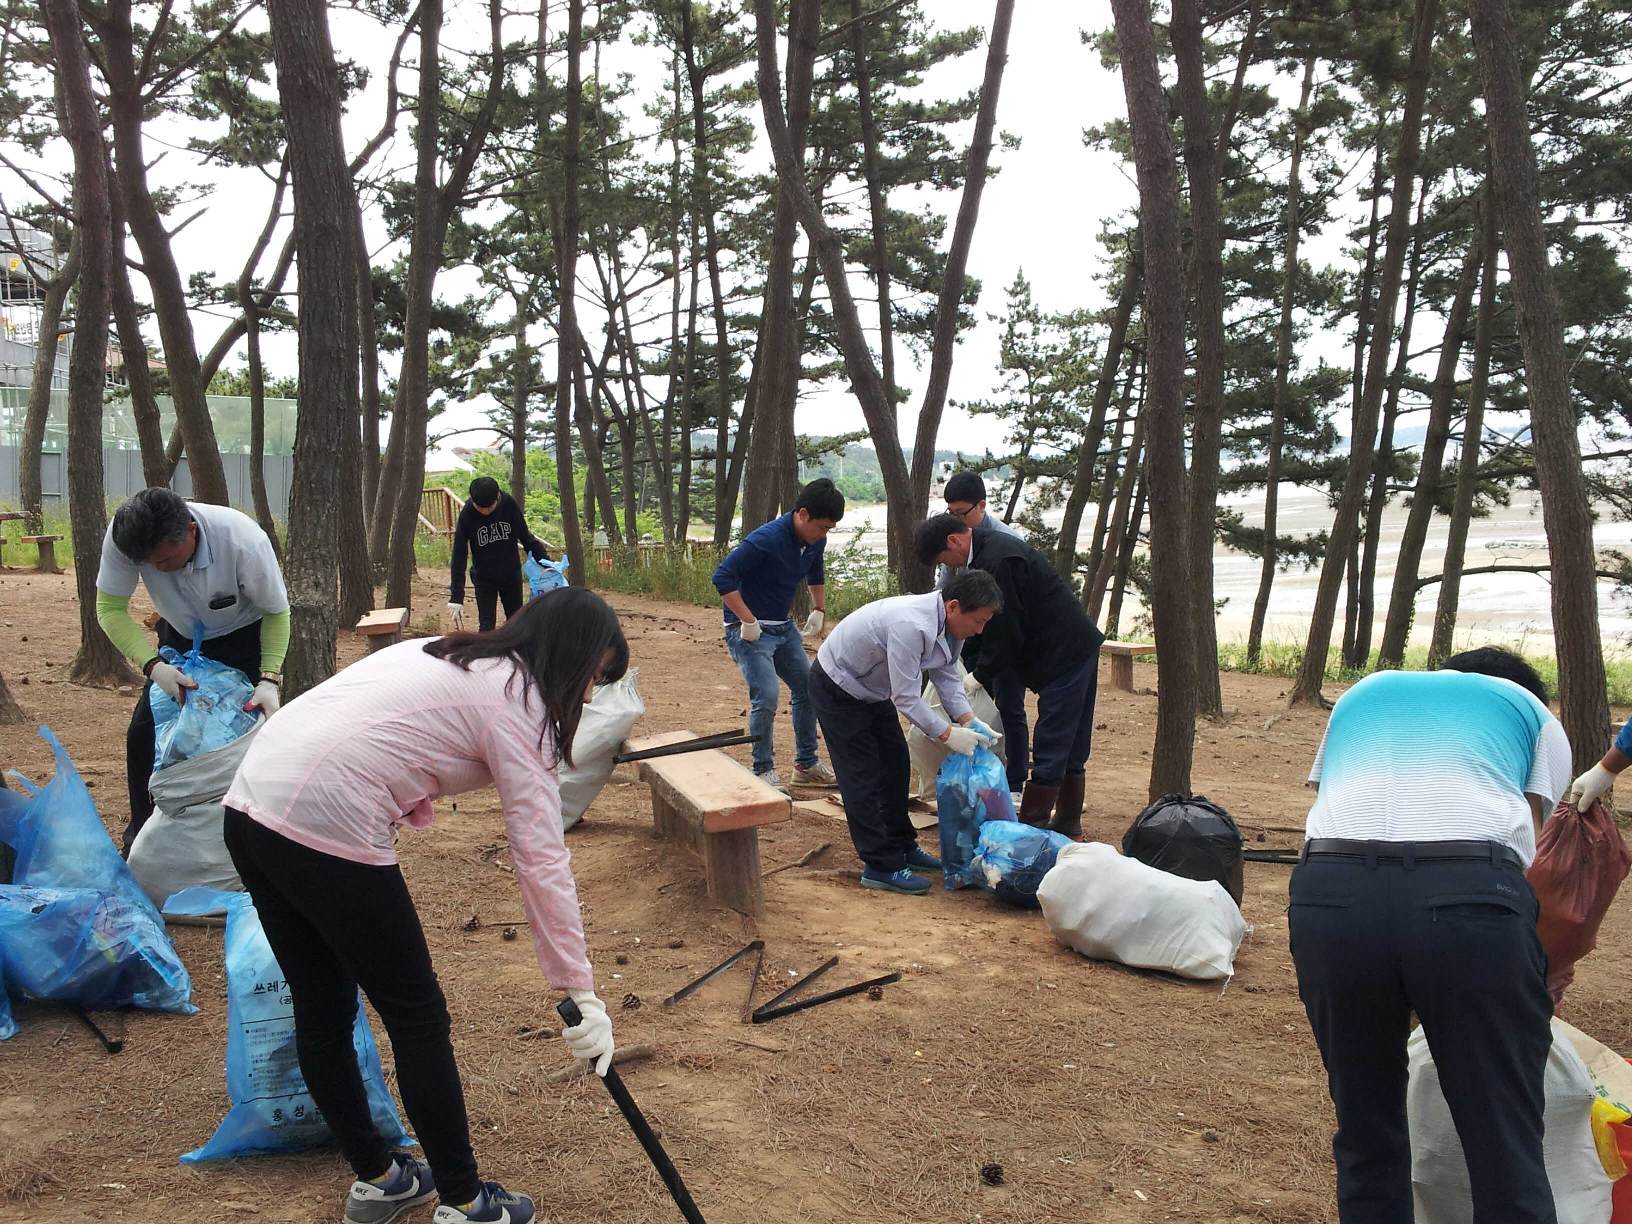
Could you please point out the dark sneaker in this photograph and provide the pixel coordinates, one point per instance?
(409, 1186)
(903, 881)
(494, 1205)
(923, 860)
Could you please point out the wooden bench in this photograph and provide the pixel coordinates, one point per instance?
(383, 627)
(47, 544)
(8, 516)
(713, 804)
(1122, 655)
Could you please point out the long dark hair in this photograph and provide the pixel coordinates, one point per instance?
(556, 643)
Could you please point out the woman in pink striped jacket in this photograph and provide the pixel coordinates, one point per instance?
(311, 824)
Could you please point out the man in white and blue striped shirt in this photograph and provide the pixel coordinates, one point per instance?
(1411, 897)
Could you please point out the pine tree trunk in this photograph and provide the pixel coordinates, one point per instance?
(1312, 673)
(776, 370)
(325, 226)
(566, 332)
(1383, 463)
(873, 174)
(1566, 513)
(1065, 553)
(1283, 369)
(1124, 562)
(673, 518)
(38, 412)
(858, 358)
(138, 378)
(1473, 424)
(1201, 159)
(521, 379)
(368, 338)
(916, 577)
(1132, 478)
(1163, 412)
(126, 106)
(11, 714)
(97, 661)
(257, 436)
(1403, 595)
(688, 381)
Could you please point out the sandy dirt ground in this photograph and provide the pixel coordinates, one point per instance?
(1104, 1093)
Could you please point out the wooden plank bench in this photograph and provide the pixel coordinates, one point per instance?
(47, 544)
(1122, 655)
(714, 805)
(383, 627)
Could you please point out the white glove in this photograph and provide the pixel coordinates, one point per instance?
(171, 679)
(964, 740)
(813, 626)
(456, 615)
(1590, 786)
(590, 1040)
(266, 697)
(751, 631)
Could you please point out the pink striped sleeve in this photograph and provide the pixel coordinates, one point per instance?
(530, 795)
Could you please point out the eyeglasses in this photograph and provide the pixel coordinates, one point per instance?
(962, 514)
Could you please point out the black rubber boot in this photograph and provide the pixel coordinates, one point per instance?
(1068, 807)
(1036, 804)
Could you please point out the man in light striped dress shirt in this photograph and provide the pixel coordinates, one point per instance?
(1411, 896)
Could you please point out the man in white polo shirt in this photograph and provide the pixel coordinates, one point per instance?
(1411, 897)
(202, 565)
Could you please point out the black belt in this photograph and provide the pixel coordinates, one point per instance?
(1409, 853)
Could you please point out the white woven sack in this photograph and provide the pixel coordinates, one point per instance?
(179, 845)
(605, 723)
(1110, 907)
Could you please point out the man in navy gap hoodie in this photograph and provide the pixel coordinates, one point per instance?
(490, 528)
(757, 582)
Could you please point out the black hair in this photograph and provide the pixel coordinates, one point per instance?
(556, 643)
(973, 589)
(822, 499)
(965, 486)
(929, 540)
(1502, 663)
(148, 519)
(484, 491)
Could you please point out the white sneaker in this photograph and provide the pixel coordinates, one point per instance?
(817, 775)
(771, 778)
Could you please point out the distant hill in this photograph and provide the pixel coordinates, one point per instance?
(856, 471)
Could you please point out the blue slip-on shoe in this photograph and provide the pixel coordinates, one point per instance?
(902, 881)
(494, 1205)
(409, 1185)
(923, 860)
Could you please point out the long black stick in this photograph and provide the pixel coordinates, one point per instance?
(637, 1122)
(724, 739)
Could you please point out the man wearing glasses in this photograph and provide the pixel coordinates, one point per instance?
(966, 498)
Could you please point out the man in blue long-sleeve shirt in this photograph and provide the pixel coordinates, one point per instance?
(757, 582)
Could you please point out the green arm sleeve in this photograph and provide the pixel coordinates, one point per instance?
(274, 640)
(113, 614)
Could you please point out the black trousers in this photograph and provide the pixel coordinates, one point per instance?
(335, 925)
(1009, 692)
(1454, 941)
(869, 756)
(489, 594)
(241, 649)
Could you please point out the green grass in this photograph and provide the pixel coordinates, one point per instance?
(1285, 659)
(27, 556)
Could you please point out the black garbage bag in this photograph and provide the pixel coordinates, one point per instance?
(1189, 836)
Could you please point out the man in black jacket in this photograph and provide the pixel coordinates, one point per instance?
(490, 528)
(1046, 638)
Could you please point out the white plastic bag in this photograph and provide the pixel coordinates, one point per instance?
(1110, 907)
(1439, 1172)
(927, 754)
(180, 844)
(606, 722)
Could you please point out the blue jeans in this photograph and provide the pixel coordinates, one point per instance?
(1064, 730)
(779, 653)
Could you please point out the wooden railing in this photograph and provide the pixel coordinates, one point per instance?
(439, 508)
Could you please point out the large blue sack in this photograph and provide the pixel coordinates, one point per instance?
(8, 1026)
(271, 1110)
(969, 791)
(1012, 858)
(95, 949)
(208, 717)
(544, 575)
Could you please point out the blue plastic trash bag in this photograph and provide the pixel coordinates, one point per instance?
(74, 945)
(271, 1109)
(544, 575)
(8, 1026)
(1012, 858)
(60, 840)
(969, 790)
(208, 717)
